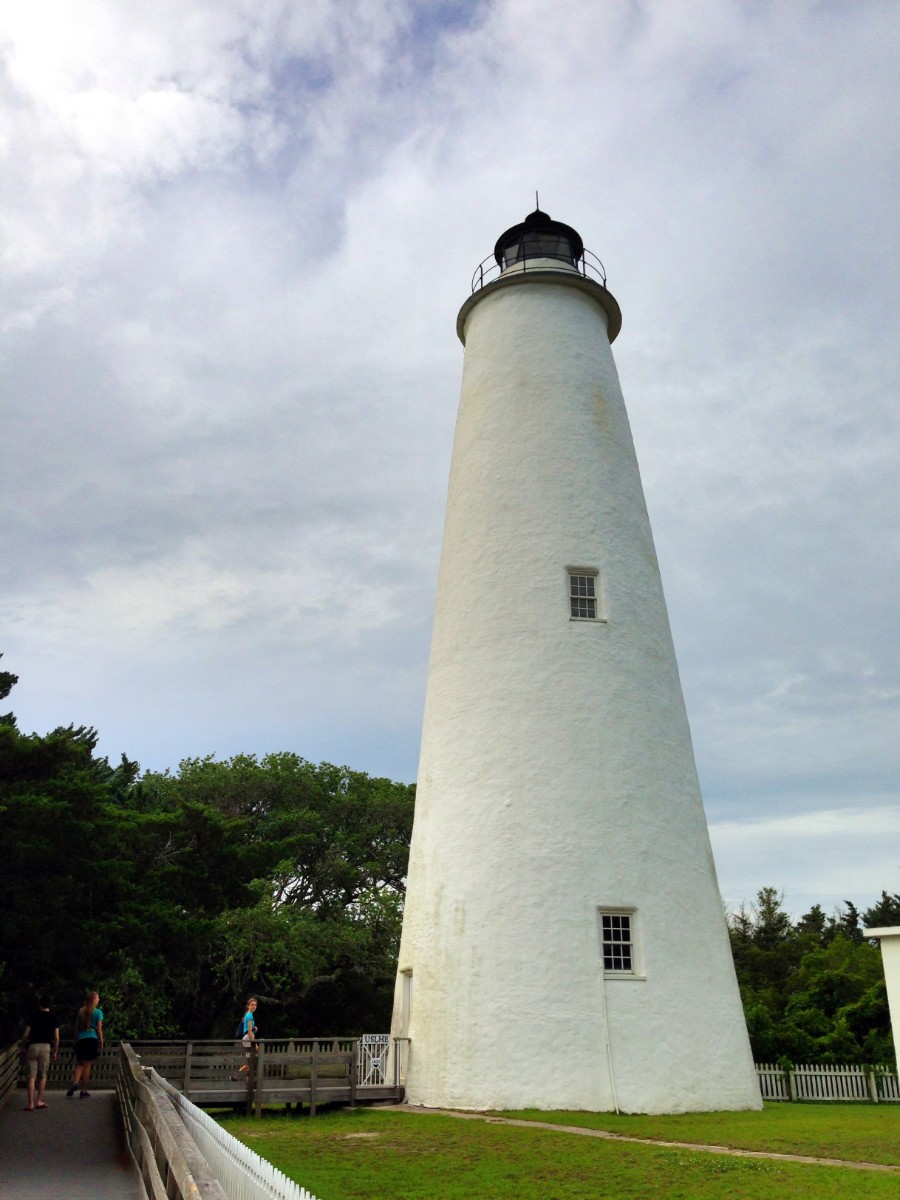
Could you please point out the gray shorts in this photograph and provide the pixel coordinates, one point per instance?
(38, 1059)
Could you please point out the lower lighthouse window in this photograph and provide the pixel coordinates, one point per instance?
(617, 938)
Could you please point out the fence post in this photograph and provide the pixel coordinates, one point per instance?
(792, 1084)
(313, 1077)
(188, 1054)
(872, 1083)
(258, 1073)
(249, 1077)
(354, 1071)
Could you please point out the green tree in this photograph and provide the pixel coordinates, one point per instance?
(326, 851)
(61, 873)
(883, 914)
(177, 894)
(813, 991)
(838, 997)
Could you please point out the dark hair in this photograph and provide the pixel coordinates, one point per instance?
(44, 1002)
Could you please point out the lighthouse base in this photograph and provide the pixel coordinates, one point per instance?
(528, 1018)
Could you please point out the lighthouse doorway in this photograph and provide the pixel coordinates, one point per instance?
(406, 984)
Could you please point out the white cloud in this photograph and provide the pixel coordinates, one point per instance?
(234, 240)
(826, 857)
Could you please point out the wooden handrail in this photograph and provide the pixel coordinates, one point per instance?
(171, 1166)
(9, 1071)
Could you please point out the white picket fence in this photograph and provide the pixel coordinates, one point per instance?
(243, 1174)
(876, 1084)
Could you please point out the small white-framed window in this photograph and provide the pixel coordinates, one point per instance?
(619, 950)
(584, 594)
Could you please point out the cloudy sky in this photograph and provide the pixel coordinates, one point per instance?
(235, 236)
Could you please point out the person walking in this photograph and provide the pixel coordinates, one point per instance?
(248, 1032)
(88, 1043)
(40, 1044)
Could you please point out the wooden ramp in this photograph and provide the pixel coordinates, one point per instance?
(72, 1150)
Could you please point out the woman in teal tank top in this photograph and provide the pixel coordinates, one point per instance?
(88, 1043)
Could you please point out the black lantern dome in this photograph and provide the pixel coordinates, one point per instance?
(538, 237)
(542, 250)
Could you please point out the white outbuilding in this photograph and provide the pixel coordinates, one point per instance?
(564, 942)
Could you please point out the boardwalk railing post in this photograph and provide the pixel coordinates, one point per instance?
(188, 1054)
(258, 1075)
(354, 1071)
(313, 1077)
(9, 1071)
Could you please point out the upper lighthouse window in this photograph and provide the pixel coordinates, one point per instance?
(583, 595)
(538, 237)
(538, 245)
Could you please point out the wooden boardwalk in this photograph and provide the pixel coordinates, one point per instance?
(306, 1071)
(75, 1149)
(310, 1071)
(72, 1150)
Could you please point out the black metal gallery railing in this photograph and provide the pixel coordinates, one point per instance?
(588, 265)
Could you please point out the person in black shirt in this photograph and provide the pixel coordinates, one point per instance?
(40, 1043)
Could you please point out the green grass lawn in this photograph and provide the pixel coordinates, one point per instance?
(369, 1154)
(858, 1132)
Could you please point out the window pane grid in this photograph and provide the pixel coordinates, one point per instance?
(583, 597)
(617, 944)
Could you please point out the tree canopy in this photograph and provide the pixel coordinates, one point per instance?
(176, 895)
(813, 990)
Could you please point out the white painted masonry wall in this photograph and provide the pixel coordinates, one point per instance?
(557, 773)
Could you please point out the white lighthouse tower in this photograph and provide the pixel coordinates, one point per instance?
(564, 944)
